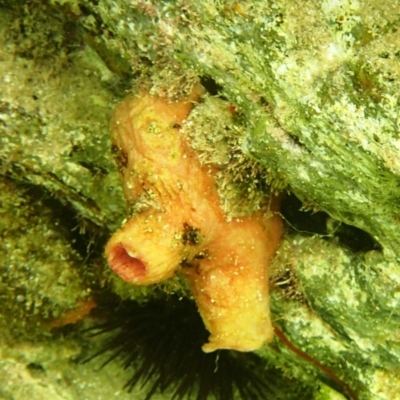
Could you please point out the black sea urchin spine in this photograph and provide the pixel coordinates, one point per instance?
(161, 340)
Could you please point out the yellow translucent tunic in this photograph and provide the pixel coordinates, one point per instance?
(180, 225)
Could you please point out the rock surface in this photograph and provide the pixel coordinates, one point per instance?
(314, 90)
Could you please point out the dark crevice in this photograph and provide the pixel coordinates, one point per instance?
(79, 233)
(299, 219)
(211, 85)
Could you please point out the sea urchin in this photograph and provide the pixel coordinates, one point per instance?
(161, 340)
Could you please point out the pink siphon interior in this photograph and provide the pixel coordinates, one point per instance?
(128, 267)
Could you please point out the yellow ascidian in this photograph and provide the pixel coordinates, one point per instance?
(178, 225)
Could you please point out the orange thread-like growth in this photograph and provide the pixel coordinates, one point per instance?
(312, 360)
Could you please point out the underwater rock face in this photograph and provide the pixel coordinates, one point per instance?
(178, 224)
(326, 73)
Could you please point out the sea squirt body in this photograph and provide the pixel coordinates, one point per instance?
(178, 223)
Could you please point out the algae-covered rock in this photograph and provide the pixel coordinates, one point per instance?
(307, 104)
(40, 278)
(55, 105)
